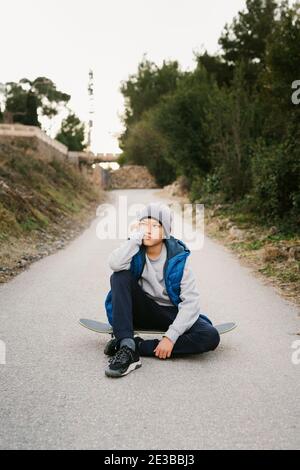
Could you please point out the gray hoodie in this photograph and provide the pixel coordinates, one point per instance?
(152, 282)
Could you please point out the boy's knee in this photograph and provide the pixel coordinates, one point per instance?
(214, 338)
(208, 340)
(118, 276)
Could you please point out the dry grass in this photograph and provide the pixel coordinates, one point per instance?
(42, 206)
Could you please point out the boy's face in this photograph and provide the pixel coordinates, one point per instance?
(154, 232)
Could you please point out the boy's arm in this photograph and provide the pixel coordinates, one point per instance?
(121, 257)
(188, 308)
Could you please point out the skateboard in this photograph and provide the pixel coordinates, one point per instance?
(101, 327)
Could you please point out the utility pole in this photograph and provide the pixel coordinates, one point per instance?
(91, 108)
(2, 93)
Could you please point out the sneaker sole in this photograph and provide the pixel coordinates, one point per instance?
(115, 373)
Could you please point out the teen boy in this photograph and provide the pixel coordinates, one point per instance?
(153, 287)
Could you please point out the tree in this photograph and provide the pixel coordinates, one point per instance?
(283, 57)
(72, 133)
(180, 117)
(215, 65)
(233, 122)
(27, 99)
(144, 89)
(245, 39)
(145, 145)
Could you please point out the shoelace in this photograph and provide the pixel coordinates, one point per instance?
(121, 354)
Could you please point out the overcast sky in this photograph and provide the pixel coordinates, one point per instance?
(63, 39)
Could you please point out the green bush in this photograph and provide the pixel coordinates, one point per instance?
(276, 179)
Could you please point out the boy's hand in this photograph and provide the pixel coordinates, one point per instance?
(164, 348)
(134, 225)
(136, 231)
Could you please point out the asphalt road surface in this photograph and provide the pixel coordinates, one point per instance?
(54, 393)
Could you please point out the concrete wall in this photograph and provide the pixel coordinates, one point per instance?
(33, 139)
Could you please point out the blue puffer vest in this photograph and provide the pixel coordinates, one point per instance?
(177, 253)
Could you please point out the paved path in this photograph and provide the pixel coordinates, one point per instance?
(54, 393)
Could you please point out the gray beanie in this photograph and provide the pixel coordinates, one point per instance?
(161, 212)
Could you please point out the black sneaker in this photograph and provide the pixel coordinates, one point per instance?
(124, 361)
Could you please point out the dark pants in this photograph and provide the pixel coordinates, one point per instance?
(133, 309)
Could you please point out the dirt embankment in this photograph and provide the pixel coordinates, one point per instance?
(132, 177)
(43, 204)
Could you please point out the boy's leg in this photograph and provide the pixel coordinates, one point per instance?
(132, 308)
(200, 338)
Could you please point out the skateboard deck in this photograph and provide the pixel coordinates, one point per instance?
(101, 327)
